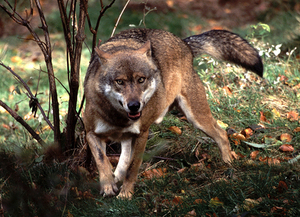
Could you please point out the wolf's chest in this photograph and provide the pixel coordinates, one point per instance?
(115, 132)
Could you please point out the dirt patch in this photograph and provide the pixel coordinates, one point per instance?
(225, 13)
(219, 13)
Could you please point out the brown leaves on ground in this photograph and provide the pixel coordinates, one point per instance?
(284, 141)
(292, 116)
(254, 154)
(154, 173)
(175, 130)
(286, 148)
(268, 117)
(285, 137)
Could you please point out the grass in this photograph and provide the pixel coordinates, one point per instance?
(194, 181)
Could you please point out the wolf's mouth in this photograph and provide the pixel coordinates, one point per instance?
(134, 115)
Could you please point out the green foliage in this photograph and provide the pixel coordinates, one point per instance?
(32, 186)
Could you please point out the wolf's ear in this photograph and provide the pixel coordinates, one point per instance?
(103, 55)
(145, 49)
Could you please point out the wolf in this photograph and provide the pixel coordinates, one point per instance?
(135, 78)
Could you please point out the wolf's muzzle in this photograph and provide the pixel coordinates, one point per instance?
(134, 106)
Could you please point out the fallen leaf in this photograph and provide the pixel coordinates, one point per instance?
(238, 110)
(6, 126)
(10, 97)
(11, 88)
(293, 116)
(248, 204)
(227, 90)
(296, 130)
(197, 166)
(175, 129)
(183, 118)
(286, 137)
(181, 170)
(215, 202)
(286, 148)
(237, 138)
(276, 113)
(177, 200)
(69, 214)
(28, 116)
(191, 213)
(240, 155)
(280, 211)
(247, 133)
(197, 201)
(263, 117)
(154, 173)
(222, 124)
(273, 161)
(282, 186)
(283, 78)
(270, 161)
(16, 59)
(296, 87)
(254, 154)
(45, 128)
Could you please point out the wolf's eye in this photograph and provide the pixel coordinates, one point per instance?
(141, 80)
(120, 82)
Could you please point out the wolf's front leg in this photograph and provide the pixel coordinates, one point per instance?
(108, 186)
(138, 145)
(124, 160)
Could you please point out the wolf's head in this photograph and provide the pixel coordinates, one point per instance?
(128, 78)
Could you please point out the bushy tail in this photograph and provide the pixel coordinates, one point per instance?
(227, 46)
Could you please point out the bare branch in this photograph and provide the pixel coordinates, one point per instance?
(113, 32)
(48, 59)
(21, 121)
(46, 49)
(30, 94)
(103, 10)
(75, 69)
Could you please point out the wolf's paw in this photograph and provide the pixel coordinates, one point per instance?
(227, 158)
(125, 195)
(109, 190)
(126, 191)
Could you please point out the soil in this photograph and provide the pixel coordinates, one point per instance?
(219, 13)
(225, 13)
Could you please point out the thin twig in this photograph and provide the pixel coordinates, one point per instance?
(21, 121)
(118, 20)
(103, 10)
(48, 60)
(29, 93)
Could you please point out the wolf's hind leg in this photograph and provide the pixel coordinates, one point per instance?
(192, 101)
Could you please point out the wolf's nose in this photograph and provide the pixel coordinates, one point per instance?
(134, 106)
